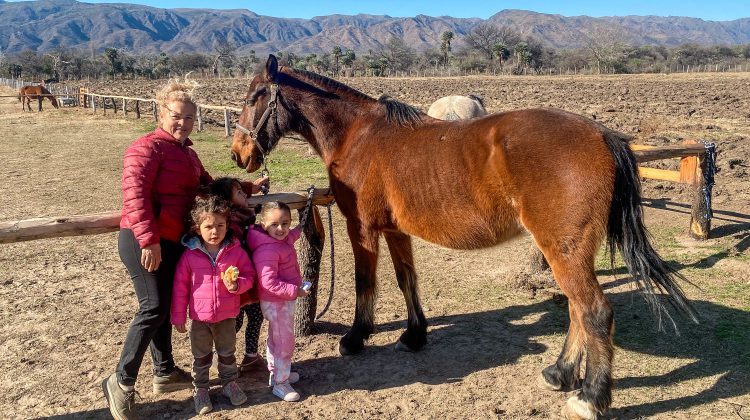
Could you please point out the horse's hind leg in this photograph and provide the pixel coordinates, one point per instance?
(415, 336)
(563, 374)
(365, 247)
(40, 104)
(571, 258)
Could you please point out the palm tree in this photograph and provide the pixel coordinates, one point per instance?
(500, 51)
(445, 45)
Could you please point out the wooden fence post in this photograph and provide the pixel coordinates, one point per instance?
(226, 122)
(93, 103)
(138, 109)
(153, 110)
(314, 238)
(125, 106)
(114, 105)
(199, 113)
(701, 212)
(104, 105)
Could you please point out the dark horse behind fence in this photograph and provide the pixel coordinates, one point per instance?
(564, 179)
(38, 92)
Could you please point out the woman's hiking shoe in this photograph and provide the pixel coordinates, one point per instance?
(175, 381)
(234, 393)
(202, 401)
(121, 403)
(285, 391)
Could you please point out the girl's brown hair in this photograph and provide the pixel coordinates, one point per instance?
(211, 204)
(273, 205)
(224, 187)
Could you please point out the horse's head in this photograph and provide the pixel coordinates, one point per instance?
(263, 121)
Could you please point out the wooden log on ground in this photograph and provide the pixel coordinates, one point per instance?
(54, 227)
(312, 246)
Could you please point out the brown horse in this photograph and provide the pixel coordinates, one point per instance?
(468, 184)
(38, 92)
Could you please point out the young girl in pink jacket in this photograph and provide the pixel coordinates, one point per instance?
(279, 285)
(211, 274)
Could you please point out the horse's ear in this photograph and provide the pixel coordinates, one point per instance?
(272, 68)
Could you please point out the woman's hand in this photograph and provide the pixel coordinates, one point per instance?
(151, 257)
(180, 328)
(260, 182)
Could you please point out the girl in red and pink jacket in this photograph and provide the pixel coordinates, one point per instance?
(279, 285)
(211, 274)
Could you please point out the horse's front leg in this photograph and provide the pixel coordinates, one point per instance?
(365, 248)
(415, 336)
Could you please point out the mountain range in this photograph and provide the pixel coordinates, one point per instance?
(46, 25)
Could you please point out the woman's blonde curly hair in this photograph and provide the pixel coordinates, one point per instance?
(176, 90)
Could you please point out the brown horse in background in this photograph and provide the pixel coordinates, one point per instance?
(468, 184)
(38, 92)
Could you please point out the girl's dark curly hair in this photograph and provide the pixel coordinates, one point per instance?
(205, 205)
(223, 187)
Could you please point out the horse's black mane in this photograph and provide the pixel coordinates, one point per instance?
(478, 99)
(395, 111)
(400, 112)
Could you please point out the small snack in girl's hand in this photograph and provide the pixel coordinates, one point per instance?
(231, 274)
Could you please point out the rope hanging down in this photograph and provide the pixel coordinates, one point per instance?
(308, 269)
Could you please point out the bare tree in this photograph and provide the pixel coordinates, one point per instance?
(225, 54)
(606, 46)
(486, 35)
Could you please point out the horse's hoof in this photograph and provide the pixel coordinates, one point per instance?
(577, 409)
(543, 383)
(349, 346)
(412, 341)
(402, 347)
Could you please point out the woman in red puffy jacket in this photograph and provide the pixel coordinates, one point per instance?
(160, 179)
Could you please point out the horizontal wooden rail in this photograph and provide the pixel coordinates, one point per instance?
(89, 224)
(645, 153)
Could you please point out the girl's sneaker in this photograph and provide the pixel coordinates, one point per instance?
(293, 378)
(234, 393)
(285, 391)
(202, 401)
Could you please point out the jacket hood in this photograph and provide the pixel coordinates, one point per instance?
(194, 242)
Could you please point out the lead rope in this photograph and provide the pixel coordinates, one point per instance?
(333, 267)
(303, 221)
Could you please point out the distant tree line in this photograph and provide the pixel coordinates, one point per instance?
(486, 49)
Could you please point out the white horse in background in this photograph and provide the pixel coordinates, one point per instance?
(457, 107)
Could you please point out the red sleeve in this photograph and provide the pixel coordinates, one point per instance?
(140, 166)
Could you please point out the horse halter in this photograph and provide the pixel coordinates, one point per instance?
(269, 112)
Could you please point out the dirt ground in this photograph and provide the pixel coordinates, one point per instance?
(65, 304)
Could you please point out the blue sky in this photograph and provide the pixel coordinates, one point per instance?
(706, 9)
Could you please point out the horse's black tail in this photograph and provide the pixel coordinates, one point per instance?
(627, 233)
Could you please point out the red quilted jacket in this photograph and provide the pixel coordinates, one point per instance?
(160, 179)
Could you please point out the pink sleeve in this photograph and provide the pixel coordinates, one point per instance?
(267, 266)
(294, 234)
(247, 276)
(181, 291)
(140, 167)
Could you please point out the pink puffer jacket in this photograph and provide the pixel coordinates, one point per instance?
(276, 262)
(198, 285)
(160, 179)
